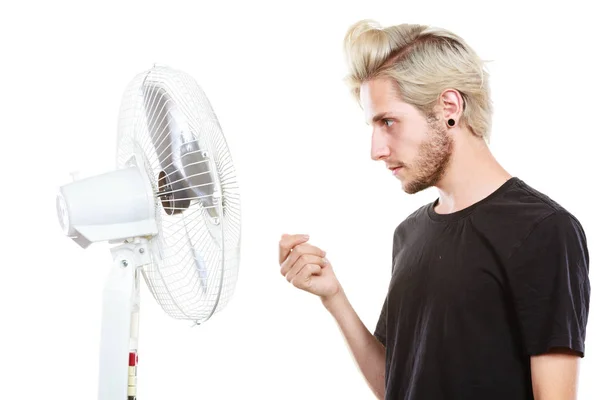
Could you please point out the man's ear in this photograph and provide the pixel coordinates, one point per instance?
(452, 104)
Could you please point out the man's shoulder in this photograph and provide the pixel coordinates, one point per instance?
(520, 214)
(519, 204)
(415, 218)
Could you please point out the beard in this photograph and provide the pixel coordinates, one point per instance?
(432, 159)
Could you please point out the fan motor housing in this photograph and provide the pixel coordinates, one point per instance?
(111, 206)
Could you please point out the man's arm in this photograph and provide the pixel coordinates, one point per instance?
(368, 352)
(550, 287)
(554, 375)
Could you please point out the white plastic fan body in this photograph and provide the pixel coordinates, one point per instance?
(172, 206)
(90, 211)
(115, 205)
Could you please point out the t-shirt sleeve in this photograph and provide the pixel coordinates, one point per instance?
(380, 328)
(548, 276)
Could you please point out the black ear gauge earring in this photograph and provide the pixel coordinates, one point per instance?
(451, 122)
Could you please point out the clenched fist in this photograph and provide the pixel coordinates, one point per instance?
(306, 267)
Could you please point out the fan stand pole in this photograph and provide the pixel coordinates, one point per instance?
(120, 313)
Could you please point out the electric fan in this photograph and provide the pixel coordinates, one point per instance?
(172, 210)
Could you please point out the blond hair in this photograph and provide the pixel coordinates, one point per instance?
(423, 61)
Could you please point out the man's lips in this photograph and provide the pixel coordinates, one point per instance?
(395, 168)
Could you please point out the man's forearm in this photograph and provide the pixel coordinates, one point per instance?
(368, 352)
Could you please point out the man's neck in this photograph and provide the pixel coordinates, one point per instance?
(473, 174)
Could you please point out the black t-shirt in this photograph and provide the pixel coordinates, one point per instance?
(475, 293)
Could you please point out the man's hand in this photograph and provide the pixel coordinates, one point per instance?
(306, 267)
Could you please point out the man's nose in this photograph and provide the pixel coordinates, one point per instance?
(379, 146)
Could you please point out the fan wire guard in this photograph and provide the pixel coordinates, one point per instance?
(167, 124)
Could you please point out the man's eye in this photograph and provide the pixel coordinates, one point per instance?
(388, 122)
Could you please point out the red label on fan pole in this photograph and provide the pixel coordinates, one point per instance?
(132, 359)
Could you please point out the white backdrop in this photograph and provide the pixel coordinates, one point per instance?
(273, 73)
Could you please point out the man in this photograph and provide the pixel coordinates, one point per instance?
(489, 292)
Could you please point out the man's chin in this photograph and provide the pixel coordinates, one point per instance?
(414, 187)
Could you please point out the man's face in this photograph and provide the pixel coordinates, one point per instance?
(416, 148)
